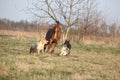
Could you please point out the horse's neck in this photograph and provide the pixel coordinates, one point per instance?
(55, 36)
(57, 25)
(57, 32)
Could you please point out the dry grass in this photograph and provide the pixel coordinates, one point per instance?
(93, 60)
(22, 35)
(108, 41)
(86, 62)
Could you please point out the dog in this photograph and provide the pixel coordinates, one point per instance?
(33, 48)
(41, 45)
(67, 43)
(38, 47)
(66, 47)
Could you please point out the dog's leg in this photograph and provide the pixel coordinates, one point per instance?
(38, 51)
(64, 53)
(30, 50)
(43, 51)
(61, 54)
(46, 47)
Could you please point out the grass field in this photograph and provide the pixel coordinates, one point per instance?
(86, 62)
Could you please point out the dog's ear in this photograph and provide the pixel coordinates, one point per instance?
(65, 40)
(68, 40)
(47, 41)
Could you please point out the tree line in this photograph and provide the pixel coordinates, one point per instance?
(23, 25)
(102, 30)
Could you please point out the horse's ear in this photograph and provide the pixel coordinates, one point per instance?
(57, 22)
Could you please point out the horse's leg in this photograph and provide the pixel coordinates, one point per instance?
(49, 47)
(53, 47)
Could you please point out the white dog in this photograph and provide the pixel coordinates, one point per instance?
(40, 45)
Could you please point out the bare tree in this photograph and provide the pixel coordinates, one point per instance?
(67, 12)
(89, 22)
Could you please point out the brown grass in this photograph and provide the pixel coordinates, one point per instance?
(23, 34)
(108, 41)
(86, 61)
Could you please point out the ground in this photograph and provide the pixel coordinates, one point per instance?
(86, 62)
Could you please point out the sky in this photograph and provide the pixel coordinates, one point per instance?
(110, 8)
(17, 9)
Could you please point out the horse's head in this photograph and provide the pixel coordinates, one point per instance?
(57, 22)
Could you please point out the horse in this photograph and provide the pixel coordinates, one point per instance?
(53, 35)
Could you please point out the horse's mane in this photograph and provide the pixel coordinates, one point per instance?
(49, 34)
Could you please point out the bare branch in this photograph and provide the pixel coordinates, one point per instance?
(61, 7)
(49, 14)
(67, 12)
(51, 9)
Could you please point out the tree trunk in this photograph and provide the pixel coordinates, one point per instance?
(66, 34)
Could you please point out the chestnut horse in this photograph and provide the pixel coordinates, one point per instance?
(53, 36)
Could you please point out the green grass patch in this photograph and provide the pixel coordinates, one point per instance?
(36, 71)
(93, 48)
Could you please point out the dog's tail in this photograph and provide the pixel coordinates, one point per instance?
(30, 50)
